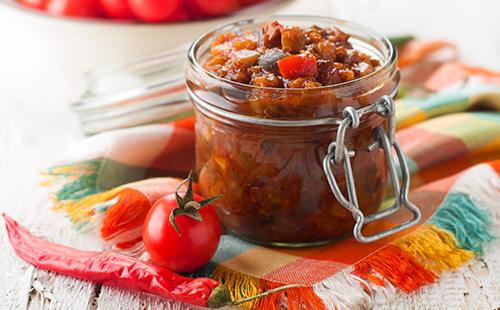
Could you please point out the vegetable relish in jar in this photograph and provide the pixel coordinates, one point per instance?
(269, 96)
(288, 56)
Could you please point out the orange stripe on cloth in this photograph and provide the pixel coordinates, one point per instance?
(187, 123)
(113, 224)
(442, 185)
(415, 51)
(303, 295)
(495, 165)
(487, 153)
(396, 266)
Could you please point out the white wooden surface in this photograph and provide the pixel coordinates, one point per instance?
(35, 126)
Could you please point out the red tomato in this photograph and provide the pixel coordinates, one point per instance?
(35, 4)
(250, 2)
(76, 8)
(198, 240)
(117, 9)
(179, 16)
(301, 65)
(212, 7)
(155, 11)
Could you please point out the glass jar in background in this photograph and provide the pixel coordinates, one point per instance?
(264, 148)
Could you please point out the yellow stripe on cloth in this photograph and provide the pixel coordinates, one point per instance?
(80, 211)
(408, 115)
(490, 151)
(435, 249)
(472, 129)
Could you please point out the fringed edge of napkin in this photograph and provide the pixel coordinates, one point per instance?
(458, 232)
(73, 180)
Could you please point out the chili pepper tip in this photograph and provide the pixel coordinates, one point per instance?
(6, 218)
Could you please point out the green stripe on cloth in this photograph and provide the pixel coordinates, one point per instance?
(414, 110)
(93, 177)
(491, 116)
(80, 180)
(440, 103)
(99, 175)
(469, 223)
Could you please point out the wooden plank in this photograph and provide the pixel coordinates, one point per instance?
(112, 298)
(15, 282)
(67, 292)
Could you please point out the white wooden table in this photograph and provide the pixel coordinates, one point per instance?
(35, 126)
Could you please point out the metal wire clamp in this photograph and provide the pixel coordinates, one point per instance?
(338, 154)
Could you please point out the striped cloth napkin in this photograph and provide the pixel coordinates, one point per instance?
(449, 128)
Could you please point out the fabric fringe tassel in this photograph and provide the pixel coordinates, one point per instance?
(344, 291)
(108, 211)
(81, 211)
(133, 206)
(435, 249)
(466, 220)
(292, 298)
(74, 180)
(241, 286)
(457, 232)
(395, 265)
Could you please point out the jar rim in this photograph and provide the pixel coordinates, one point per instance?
(388, 63)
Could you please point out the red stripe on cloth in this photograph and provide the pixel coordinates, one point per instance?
(343, 251)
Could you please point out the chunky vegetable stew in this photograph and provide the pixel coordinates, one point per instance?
(288, 57)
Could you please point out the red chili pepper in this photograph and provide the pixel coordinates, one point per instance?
(301, 65)
(114, 269)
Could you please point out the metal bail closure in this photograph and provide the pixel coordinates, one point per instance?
(338, 154)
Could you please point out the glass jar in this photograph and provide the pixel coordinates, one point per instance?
(265, 148)
(146, 91)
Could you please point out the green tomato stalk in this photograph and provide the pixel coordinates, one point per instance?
(187, 205)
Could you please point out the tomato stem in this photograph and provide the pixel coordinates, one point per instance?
(187, 205)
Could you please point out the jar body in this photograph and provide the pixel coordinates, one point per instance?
(263, 149)
(275, 190)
